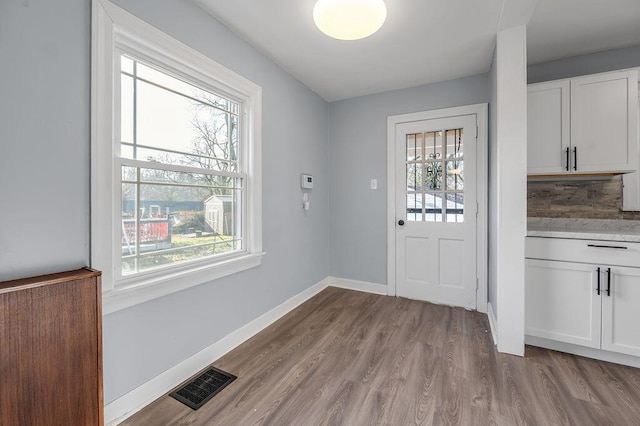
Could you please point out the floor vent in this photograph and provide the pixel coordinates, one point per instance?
(201, 388)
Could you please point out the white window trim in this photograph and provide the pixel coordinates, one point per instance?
(113, 27)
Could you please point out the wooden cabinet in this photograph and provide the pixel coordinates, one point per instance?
(584, 293)
(51, 350)
(583, 125)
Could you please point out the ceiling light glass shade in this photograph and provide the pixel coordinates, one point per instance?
(349, 19)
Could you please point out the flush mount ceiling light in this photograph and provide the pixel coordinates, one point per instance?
(349, 19)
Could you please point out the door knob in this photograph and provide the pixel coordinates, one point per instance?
(401, 222)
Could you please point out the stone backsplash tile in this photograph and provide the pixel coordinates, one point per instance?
(588, 199)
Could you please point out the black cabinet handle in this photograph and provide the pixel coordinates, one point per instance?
(608, 281)
(567, 152)
(575, 158)
(598, 287)
(401, 222)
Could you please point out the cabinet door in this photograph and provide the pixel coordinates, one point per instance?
(604, 122)
(51, 350)
(548, 127)
(621, 311)
(562, 303)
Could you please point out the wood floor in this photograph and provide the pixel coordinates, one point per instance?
(351, 358)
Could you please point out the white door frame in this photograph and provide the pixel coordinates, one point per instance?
(480, 110)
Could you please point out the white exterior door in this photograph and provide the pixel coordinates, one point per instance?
(435, 205)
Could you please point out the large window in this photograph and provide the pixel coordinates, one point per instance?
(182, 181)
(176, 163)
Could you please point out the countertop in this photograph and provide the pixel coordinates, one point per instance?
(585, 229)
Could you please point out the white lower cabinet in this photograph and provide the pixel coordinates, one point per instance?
(561, 302)
(586, 304)
(621, 312)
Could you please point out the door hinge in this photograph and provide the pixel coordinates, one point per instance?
(477, 283)
(477, 131)
(477, 209)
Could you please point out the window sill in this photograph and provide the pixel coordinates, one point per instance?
(125, 297)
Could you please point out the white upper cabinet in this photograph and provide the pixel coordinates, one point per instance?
(548, 127)
(603, 122)
(584, 125)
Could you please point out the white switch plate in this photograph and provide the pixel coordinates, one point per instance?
(374, 183)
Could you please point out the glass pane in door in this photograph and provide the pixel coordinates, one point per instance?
(455, 175)
(414, 207)
(455, 143)
(433, 207)
(455, 207)
(414, 176)
(433, 175)
(414, 147)
(433, 145)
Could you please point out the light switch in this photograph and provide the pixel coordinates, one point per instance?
(374, 183)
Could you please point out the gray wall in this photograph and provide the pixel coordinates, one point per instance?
(493, 187)
(44, 125)
(357, 153)
(608, 60)
(44, 136)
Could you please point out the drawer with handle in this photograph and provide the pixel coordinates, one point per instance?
(583, 251)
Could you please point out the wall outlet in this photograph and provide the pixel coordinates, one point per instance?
(374, 183)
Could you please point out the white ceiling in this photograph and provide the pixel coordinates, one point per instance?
(562, 28)
(422, 41)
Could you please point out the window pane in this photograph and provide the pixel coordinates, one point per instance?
(129, 226)
(126, 64)
(433, 175)
(216, 137)
(433, 145)
(192, 160)
(455, 143)
(126, 151)
(414, 147)
(414, 207)
(174, 84)
(433, 207)
(455, 175)
(234, 147)
(455, 207)
(175, 223)
(126, 109)
(168, 120)
(173, 125)
(129, 174)
(414, 176)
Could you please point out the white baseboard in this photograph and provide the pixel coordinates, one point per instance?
(493, 323)
(364, 286)
(130, 403)
(600, 354)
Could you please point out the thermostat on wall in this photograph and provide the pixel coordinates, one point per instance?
(306, 181)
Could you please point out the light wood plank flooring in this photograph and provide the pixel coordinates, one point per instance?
(351, 358)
